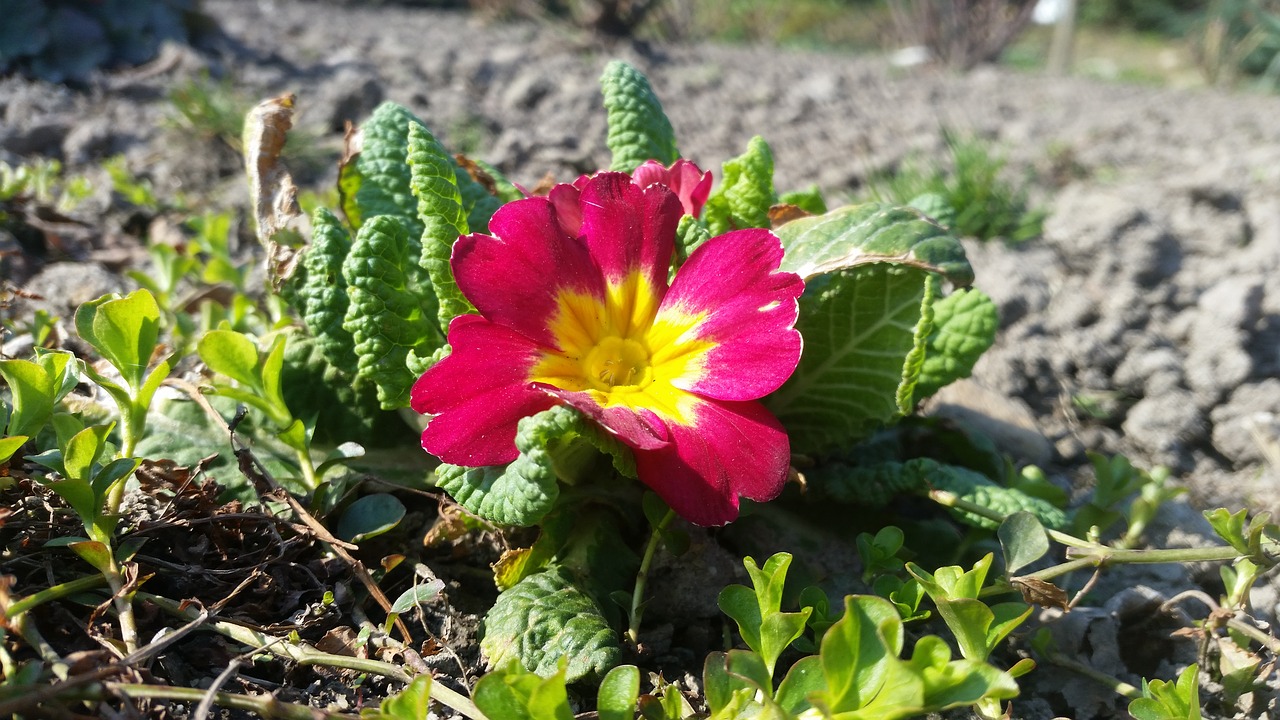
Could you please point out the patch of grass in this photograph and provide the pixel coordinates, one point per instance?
(212, 108)
(1115, 54)
(985, 205)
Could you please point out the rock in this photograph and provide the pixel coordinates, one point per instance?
(1247, 422)
(527, 90)
(1007, 421)
(1218, 358)
(64, 286)
(88, 141)
(41, 137)
(350, 92)
(1165, 426)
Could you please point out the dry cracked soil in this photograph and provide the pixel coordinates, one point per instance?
(1146, 320)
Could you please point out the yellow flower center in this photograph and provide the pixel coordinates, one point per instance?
(623, 353)
(617, 363)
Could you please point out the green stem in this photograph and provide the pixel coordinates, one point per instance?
(1120, 687)
(61, 590)
(951, 500)
(262, 705)
(304, 654)
(642, 576)
(124, 606)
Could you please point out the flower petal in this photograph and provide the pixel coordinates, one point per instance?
(518, 278)
(629, 229)
(639, 428)
(734, 449)
(478, 394)
(747, 312)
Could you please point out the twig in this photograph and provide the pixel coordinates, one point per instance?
(1120, 687)
(304, 654)
(214, 690)
(263, 705)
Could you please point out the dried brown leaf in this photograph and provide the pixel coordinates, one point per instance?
(477, 173)
(1041, 592)
(271, 188)
(783, 213)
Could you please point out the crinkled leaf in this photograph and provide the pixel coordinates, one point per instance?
(875, 485)
(638, 128)
(690, 234)
(341, 406)
(435, 185)
(123, 330)
(369, 516)
(745, 194)
(860, 329)
(324, 291)
(872, 233)
(524, 491)
(392, 312)
(964, 327)
(376, 181)
(543, 619)
(271, 188)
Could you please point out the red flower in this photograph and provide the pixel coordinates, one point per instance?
(575, 309)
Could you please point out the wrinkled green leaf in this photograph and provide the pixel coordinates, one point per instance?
(745, 194)
(964, 327)
(369, 516)
(392, 312)
(323, 294)
(543, 619)
(856, 235)
(376, 182)
(524, 491)
(860, 330)
(638, 128)
(434, 183)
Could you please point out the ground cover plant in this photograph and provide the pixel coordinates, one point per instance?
(637, 366)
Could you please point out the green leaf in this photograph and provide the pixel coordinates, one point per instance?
(619, 690)
(124, 330)
(809, 199)
(543, 619)
(377, 181)
(803, 679)
(957, 683)
(413, 702)
(860, 663)
(856, 235)
(435, 185)
(1170, 700)
(324, 291)
(369, 516)
(269, 372)
(936, 207)
(860, 329)
(765, 629)
(964, 327)
(338, 406)
(95, 553)
(33, 391)
(83, 451)
(690, 234)
(524, 491)
(1023, 540)
(112, 473)
(744, 196)
(232, 354)
(419, 594)
(392, 312)
(638, 128)
(10, 445)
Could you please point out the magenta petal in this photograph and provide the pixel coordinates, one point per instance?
(514, 279)
(641, 431)
(629, 229)
(750, 312)
(478, 394)
(568, 212)
(736, 449)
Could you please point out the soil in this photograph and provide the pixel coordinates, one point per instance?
(1146, 320)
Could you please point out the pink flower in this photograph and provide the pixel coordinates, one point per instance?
(575, 309)
(684, 178)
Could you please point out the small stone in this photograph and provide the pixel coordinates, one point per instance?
(1163, 425)
(1247, 421)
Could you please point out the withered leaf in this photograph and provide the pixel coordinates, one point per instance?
(271, 188)
(783, 213)
(477, 173)
(1041, 592)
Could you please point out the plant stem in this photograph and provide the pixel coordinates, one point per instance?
(1120, 687)
(71, 587)
(642, 576)
(304, 654)
(263, 705)
(951, 500)
(124, 606)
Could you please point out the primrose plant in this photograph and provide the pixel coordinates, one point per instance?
(645, 322)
